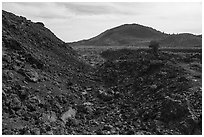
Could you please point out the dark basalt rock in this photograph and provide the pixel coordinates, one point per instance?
(40, 23)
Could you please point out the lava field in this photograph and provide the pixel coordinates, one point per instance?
(48, 88)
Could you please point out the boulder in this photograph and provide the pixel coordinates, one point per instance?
(70, 114)
(102, 94)
(32, 75)
(15, 103)
(50, 117)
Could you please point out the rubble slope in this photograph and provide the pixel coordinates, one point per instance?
(38, 71)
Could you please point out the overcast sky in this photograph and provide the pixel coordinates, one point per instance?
(77, 21)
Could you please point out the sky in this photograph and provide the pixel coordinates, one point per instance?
(83, 20)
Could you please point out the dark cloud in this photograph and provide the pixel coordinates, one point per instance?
(99, 8)
(80, 8)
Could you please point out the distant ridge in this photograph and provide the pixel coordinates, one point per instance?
(182, 40)
(139, 36)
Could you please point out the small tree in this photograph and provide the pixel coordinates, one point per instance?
(154, 46)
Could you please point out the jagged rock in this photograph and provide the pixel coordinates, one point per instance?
(107, 127)
(8, 75)
(50, 117)
(89, 109)
(36, 131)
(32, 75)
(72, 122)
(88, 104)
(143, 133)
(23, 94)
(84, 93)
(6, 58)
(88, 89)
(86, 108)
(15, 102)
(156, 62)
(102, 94)
(49, 133)
(70, 114)
(153, 86)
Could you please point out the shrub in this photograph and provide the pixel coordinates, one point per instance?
(154, 46)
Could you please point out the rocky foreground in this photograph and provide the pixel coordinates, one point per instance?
(48, 89)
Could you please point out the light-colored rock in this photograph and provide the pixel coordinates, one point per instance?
(32, 75)
(70, 114)
(154, 86)
(50, 117)
(88, 104)
(88, 89)
(84, 93)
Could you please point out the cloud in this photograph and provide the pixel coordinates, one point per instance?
(75, 21)
(37, 9)
(87, 9)
(98, 8)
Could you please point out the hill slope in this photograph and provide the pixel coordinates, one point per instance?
(182, 40)
(140, 36)
(38, 72)
(128, 34)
